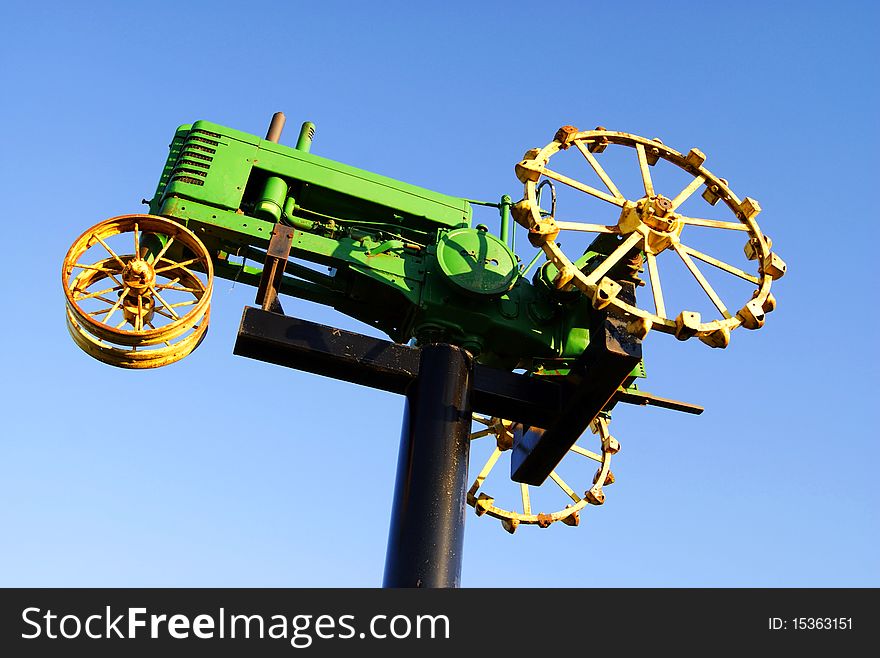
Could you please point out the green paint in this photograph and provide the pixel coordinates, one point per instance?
(476, 261)
(401, 258)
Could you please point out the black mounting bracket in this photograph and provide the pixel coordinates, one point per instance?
(273, 268)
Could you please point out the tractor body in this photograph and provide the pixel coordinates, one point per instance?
(401, 258)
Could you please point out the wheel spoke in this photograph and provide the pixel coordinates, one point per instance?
(170, 286)
(713, 223)
(182, 264)
(110, 273)
(526, 499)
(686, 192)
(163, 313)
(109, 250)
(482, 419)
(139, 318)
(487, 467)
(656, 290)
(720, 264)
(554, 254)
(587, 228)
(164, 303)
(116, 305)
(622, 249)
(95, 268)
(692, 266)
(164, 249)
(592, 191)
(85, 295)
(105, 300)
(118, 326)
(480, 434)
(137, 242)
(186, 303)
(179, 289)
(562, 485)
(587, 453)
(599, 170)
(646, 172)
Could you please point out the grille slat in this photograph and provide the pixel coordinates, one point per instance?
(195, 157)
(187, 179)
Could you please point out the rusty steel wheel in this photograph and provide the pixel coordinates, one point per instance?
(502, 431)
(649, 225)
(138, 291)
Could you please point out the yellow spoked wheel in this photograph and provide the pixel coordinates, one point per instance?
(502, 431)
(138, 291)
(649, 225)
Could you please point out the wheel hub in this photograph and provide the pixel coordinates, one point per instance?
(138, 275)
(138, 309)
(656, 213)
(651, 216)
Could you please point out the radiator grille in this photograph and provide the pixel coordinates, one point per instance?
(196, 154)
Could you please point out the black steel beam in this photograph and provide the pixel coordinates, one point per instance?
(382, 364)
(316, 348)
(388, 366)
(353, 357)
(529, 400)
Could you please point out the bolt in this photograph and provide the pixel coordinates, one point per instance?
(662, 206)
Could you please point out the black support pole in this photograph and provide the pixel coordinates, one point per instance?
(427, 518)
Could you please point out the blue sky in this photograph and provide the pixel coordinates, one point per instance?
(194, 475)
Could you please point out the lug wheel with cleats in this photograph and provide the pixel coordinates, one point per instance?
(138, 291)
(502, 432)
(646, 227)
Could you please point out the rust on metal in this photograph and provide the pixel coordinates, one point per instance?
(157, 306)
(651, 224)
(502, 431)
